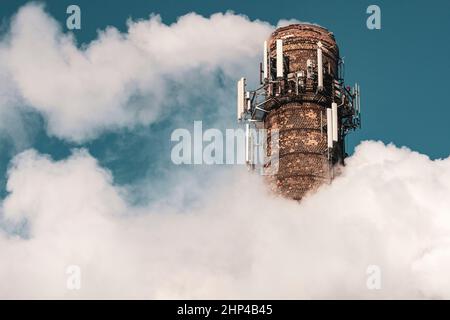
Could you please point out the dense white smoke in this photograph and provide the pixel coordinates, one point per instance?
(390, 208)
(122, 79)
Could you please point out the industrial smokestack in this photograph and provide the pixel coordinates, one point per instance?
(307, 102)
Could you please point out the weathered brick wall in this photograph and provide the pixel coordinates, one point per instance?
(303, 154)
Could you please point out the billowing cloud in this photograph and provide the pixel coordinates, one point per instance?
(124, 79)
(389, 208)
(12, 124)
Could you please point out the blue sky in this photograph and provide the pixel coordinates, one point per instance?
(401, 69)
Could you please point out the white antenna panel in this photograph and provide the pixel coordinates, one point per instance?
(329, 128)
(280, 66)
(248, 144)
(358, 98)
(319, 66)
(334, 116)
(265, 67)
(248, 101)
(308, 68)
(240, 98)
